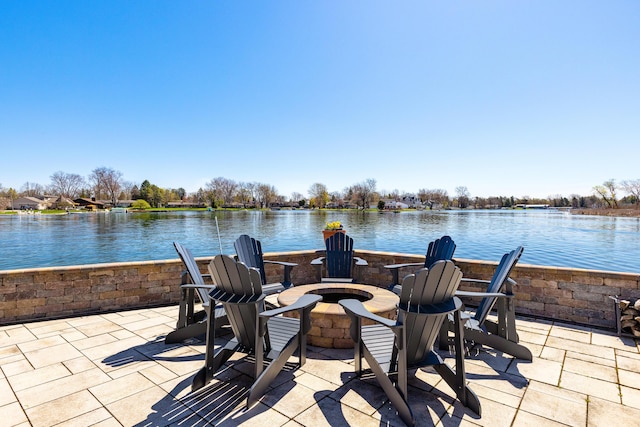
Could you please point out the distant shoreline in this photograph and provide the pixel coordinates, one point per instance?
(621, 212)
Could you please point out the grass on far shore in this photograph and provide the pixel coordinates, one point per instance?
(625, 212)
(621, 212)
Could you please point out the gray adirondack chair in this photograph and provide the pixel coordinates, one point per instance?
(479, 330)
(192, 323)
(392, 348)
(439, 249)
(249, 252)
(338, 261)
(265, 334)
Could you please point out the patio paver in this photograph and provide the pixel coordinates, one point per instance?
(115, 370)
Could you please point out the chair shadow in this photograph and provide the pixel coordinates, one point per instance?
(151, 350)
(505, 366)
(222, 402)
(423, 404)
(154, 350)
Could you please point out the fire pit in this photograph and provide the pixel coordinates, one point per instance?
(330, 324)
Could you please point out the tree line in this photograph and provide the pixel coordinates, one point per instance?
(109, 184)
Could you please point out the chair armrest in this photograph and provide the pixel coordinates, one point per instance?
(483, 294)
(466, 280)
(411, 264)
(360, 261)
(283, 263)
(305, 301)
(317, 261)
(395, 271)
(356, 308)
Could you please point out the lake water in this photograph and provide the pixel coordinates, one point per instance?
(549, 237)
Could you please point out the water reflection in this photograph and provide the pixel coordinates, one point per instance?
(549, 237)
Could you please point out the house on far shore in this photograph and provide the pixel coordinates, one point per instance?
(394, 204)
(62, 203)
(30, 203)
(39, 203)
(89, 204)
(182, 204)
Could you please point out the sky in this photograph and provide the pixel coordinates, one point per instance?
(511, 98)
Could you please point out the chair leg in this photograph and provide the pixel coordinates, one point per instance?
(270, 372)
(213, 360)
(286, 282)
(394, 394)
(458, 380)
(185, 307)
(394, 279)
(464, 393)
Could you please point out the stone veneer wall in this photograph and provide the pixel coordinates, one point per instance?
(571, 295)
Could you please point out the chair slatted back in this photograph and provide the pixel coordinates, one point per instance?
(500, 276)
(439, 249)
(249, 251)
(436, 285)
(193, 270)
(241, 284)
(339, 255)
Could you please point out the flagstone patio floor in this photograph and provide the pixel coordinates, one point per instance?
(115, 370)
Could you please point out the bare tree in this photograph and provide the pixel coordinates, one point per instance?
(106, 182)
(127, 190)
(223, 189)
(632, 186)
(266, 194)
(318, 195)
(66, 185)
(245, 193)
(199, 196)
(229, 188)
(612, 187)
(607, 191)
(296, 197)
(214, 192)
(432, 197)
(364, 192)
(462, 195)
(394, 195)
(480, 202)
(30, 189)
(336, 198)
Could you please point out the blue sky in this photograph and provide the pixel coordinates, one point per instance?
(518, 98)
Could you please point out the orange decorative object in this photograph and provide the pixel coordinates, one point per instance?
(328, 233)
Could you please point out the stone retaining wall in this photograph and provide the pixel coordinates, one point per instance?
(572, 295)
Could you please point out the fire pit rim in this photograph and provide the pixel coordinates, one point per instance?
(381, 299)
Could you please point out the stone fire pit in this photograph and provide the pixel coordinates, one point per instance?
(330, 324)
